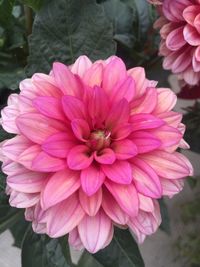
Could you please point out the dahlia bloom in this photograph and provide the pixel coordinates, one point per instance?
(180, 38)
(95, 147)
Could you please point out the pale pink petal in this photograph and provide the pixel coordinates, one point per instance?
(64, 217)
(8, 117)
(167, 165)
(105, 156)
(81, 65)
(23, 200)
(94, 75)
(171, 187)
(27, 156)
(59, 187)
(74, 239)
(126, 197)
(90, 204)
(119, 172)
(94, 231)
(166, 100)
(27, 182)
(12, 148)
(146, 203)
(124, 149)
(92, 179)
(113, 210)
(171, 118)
(138, 74)
(79, 158)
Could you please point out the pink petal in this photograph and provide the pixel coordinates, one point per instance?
(98, 105)
(27, 182)
(119, 172)
(171, 118)
(64, 217)
(146, 180)
(12, 168)
(145, 141)
(124, 149)
(126, 197)
(114, 72)
(81, 129)
(175, 40)
(73, 107)
(81, 65)
(166, 100)
(79, 158)
(145, 121)
(105, 156)
(66, 80)
(121, 131)
(74, 240)
(113, 210)
(146, 103)
(8, 117)
(94, 231)
(91, 204)
(37, 127)
(50, 107)
(59, 187)
(119, 113)
(12, 148)
(191, 35)
(59, 144)
(92, 179)
(45, 163)
(167, 165)
(123, 89)
(190, 13)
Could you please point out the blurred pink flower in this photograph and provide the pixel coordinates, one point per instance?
(95, 147)
(180, 38)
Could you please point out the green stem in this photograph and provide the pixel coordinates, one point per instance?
(29, 19)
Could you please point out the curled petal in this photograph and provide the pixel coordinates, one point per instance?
(79, 158)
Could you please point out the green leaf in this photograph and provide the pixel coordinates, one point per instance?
(87, 260)
(66, 29)
(18, 231)
(34, 4)
(42, 251)
(6, 7)
(8, 217)
(123, 251)
(165, 225)
(121, 16)
(10, 79)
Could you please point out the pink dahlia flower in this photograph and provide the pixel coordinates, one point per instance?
(95, 147)
(180, 38)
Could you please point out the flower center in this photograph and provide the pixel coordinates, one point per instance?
(99, 139)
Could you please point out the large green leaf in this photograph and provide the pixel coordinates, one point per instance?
(34, 4)
(122, 252)
(18, 231)
(87, 260)
(6, 7)
(42, 251)
(121, 16)
(66, 29)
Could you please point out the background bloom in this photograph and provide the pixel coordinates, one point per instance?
(180, 38)
(95, 147)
